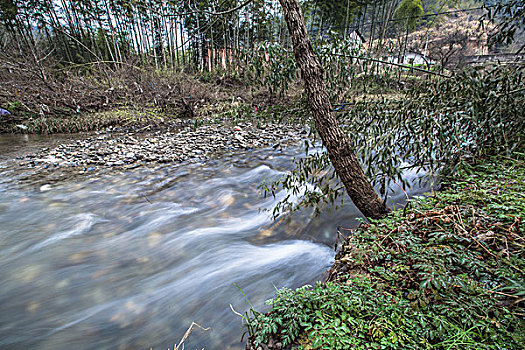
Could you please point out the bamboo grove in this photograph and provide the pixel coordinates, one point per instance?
(193, 34)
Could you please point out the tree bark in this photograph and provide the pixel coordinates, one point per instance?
(341, 155)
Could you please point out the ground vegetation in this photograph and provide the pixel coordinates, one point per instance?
(445, 272)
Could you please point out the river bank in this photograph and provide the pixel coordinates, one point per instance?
(445, 272)
(117, 148)
(128, 98)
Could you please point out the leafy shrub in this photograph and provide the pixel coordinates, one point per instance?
(271, 66)
(409, 11)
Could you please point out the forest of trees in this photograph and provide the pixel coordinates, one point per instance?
(177, 33)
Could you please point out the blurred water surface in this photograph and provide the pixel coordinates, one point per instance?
(129, 259)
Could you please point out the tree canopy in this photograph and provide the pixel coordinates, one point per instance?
(409, 12)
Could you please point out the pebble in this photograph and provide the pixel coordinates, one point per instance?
(45, 188)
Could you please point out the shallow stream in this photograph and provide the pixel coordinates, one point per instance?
(129, 259)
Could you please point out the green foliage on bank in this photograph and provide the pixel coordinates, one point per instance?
(84, 122)
(447, 272)
(437, 126)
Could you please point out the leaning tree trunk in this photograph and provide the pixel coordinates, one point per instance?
(341, 155)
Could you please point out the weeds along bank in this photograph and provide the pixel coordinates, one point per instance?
(92, 98)
(53, 97)
(80, 99)
(446, 272)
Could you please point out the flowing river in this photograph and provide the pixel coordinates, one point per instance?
(129, 259)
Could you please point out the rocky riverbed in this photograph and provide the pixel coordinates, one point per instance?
(119, 149)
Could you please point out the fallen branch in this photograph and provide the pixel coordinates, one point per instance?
(187, 334)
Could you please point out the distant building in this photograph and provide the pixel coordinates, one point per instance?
(411, 58)
(356, 37)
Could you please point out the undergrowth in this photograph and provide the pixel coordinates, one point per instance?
(121, 117)
(447, 272)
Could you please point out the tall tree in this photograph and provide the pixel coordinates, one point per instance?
(341, 155)
(409, 12)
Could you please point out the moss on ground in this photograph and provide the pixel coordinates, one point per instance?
(446, 272)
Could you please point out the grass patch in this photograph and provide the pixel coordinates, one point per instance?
(447, 272)
(118, 117)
